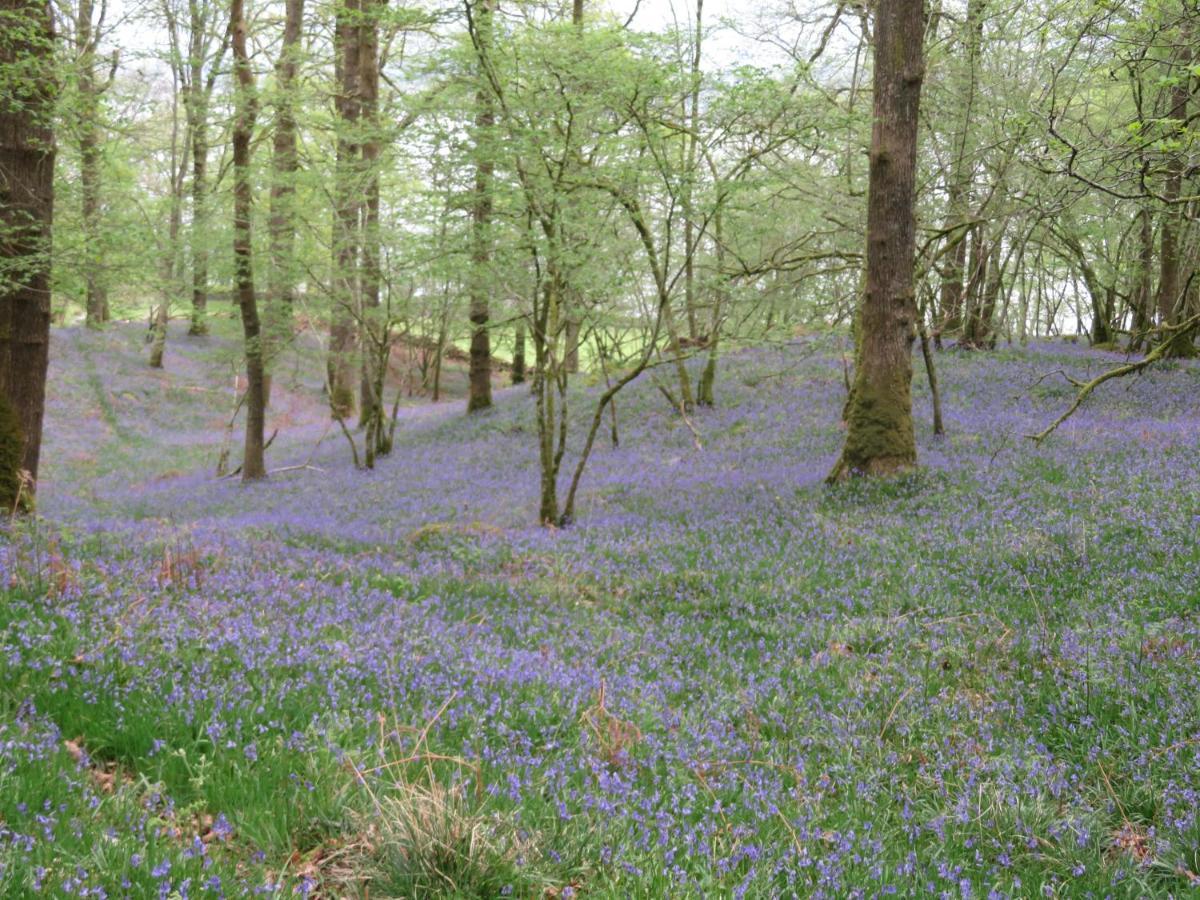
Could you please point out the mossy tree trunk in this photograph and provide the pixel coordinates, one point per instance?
(879, 435)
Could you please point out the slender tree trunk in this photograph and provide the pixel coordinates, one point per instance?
(706, 394)
(281, 223)
(1173, 283)
(96, 302)
(170, 268)
(571, 357)
(439, 353)
(198, 94)
(602, 356)
(480, 396)
(935, 393)
(572, 298)
(962, 167)
(26, 220)
(199, 324)
(690, 171)
(545, 379)
(1101, 332)
(161, 315)
(879, 436)
(977, 270)
(374, 338)
(346, 305)
(983, 319)
(161, 320)
(96, 298)
(518, 361)
(685, 382)
(246, 109)
(1143, 305)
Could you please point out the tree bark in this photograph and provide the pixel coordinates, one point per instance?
(480, 387)
(693, 141)
(245, 112)
(1143, 305)
(90, 92)
(706, 392)
(879, 438)
(518, 361)
(959, 180)
(26, 217)
(1172, 283)
(198, 94)
(571, 355)
(374, 331)
(281, 223)
(345, 308)
(160, 317)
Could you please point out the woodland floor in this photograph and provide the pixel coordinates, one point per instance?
(726, 680)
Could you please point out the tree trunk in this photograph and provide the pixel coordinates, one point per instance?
(571, 357)
(170, 262)
(685, 382)
(879, 437)
(706, 393)
(987, 283)
(160, 317)
(281, 224)
(518, 361)
(374, 331)
(26, 219)
(245, 111)
(199, 325)
(1172, 284)
(480, 396)
(977, 258)
(690, 170)
(959, 180)
(935, 393)
(345, 308)
(545, 380)
(1143, 304)
(96, 298)
(198, 94)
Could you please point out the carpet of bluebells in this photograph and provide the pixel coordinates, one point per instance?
(727, 680)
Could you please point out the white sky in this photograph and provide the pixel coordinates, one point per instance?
(724, 47)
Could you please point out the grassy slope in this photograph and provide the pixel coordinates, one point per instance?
(727, 679)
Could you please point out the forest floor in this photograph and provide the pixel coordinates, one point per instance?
(726, 680)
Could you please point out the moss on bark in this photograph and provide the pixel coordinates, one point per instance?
(880, 437)
(12, 446)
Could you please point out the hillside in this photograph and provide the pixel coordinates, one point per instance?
(726, 680)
